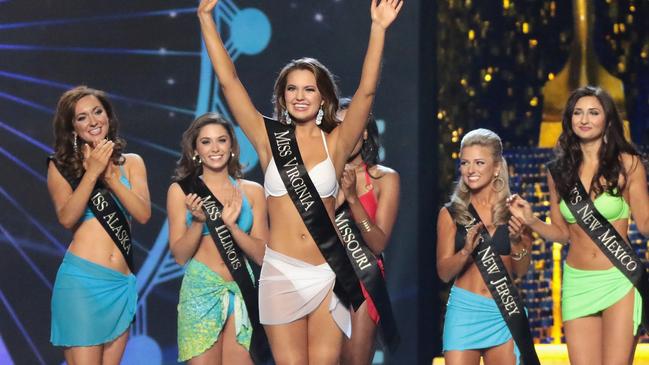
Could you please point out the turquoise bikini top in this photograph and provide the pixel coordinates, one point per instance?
(611, 207)
(245, 217)
(122, 178)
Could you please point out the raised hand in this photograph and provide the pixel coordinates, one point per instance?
(348, 182)
(521, 209)
(232, 208)
(194, 204)
(206, 7)
(95, 160)
(473, 239)
(384, 13)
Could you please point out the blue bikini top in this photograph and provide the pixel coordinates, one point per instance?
(87, 214)
(245, 216)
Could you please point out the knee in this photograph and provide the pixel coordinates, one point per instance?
(324, 355)
(290, 358)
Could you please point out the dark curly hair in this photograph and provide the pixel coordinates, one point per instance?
(370, 148)
(186, 166)
(569, 155)
(325, 83)
(69, 161)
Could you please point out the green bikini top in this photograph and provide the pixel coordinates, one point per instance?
(611, 207)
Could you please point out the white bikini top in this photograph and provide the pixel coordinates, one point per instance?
(323, 176)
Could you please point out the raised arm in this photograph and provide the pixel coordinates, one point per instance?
(183, 241)
(450, 263)
(556, 230)
(378, 236)
(253, 244)
(69, 204)
(638, 196)
(244, 112)
(136, 200)
(346, 135)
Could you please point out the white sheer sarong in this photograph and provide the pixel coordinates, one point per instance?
(290, 289)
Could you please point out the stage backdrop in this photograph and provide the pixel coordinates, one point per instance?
(148, 55)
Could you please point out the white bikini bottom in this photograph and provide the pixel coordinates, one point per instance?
(290, 289)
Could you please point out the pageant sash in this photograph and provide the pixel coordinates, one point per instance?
(606, 237)
(104, 207)
(369, 273)
(305, 197)
(234, 259)
(505, 293)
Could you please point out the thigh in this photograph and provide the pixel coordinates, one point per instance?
(288, 342)
(584, 340)
(211, 356)
(359, 350)
(114, 350)
(233, 352)
(617, 331)
(466, 357)
(325, 337)
(501, 354)
(83, 355)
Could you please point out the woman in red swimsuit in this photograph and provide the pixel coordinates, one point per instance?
(372, 193)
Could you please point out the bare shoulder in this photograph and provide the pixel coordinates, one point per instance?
(133, 159)
(251, 188)
(444, 216)
(175, 190)
(380, 172)
(632, 163)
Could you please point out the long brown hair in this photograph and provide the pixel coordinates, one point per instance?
(187, 166)
(69, 161)
(326, 86)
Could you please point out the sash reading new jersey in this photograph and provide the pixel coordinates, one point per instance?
(369, 273)
(104, 207)
(606, 237)
(235, 262)
(505, 294)
(312, 210)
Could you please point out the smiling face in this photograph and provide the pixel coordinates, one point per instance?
(91, 120)
(214, 146)
(477, 166)
(301, 95)
(588, 119)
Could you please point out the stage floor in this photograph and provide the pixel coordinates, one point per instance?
(558, 355)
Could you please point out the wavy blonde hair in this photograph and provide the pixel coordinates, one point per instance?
(461, 196)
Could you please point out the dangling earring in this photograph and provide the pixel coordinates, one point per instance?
(318, 118)
(75, 147)
(498, 184)
(287, 117)
(605, 139)
(197, 159)
(231, 154)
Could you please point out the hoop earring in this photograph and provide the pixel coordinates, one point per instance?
(197, 159)
(498, 184)
(75, 147)
(287, 117)
(318, 118)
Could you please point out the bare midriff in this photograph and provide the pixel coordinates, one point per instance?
(208, 254)
(584, 254)
(289, 235)
(91, 242)
(471, 279)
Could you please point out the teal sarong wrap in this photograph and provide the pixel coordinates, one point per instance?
(473, 322)
(588, 292)
(204, 307)
(91, 304)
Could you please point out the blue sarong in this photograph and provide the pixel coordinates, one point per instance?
(91, 304)
(473, 322)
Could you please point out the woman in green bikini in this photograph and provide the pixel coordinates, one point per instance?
(601, 309)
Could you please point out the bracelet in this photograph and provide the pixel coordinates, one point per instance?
(365, 225)
(519, 255)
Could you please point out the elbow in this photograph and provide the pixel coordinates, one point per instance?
(144, 217)
(443, 275)
(643, 228)
(66, 222)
